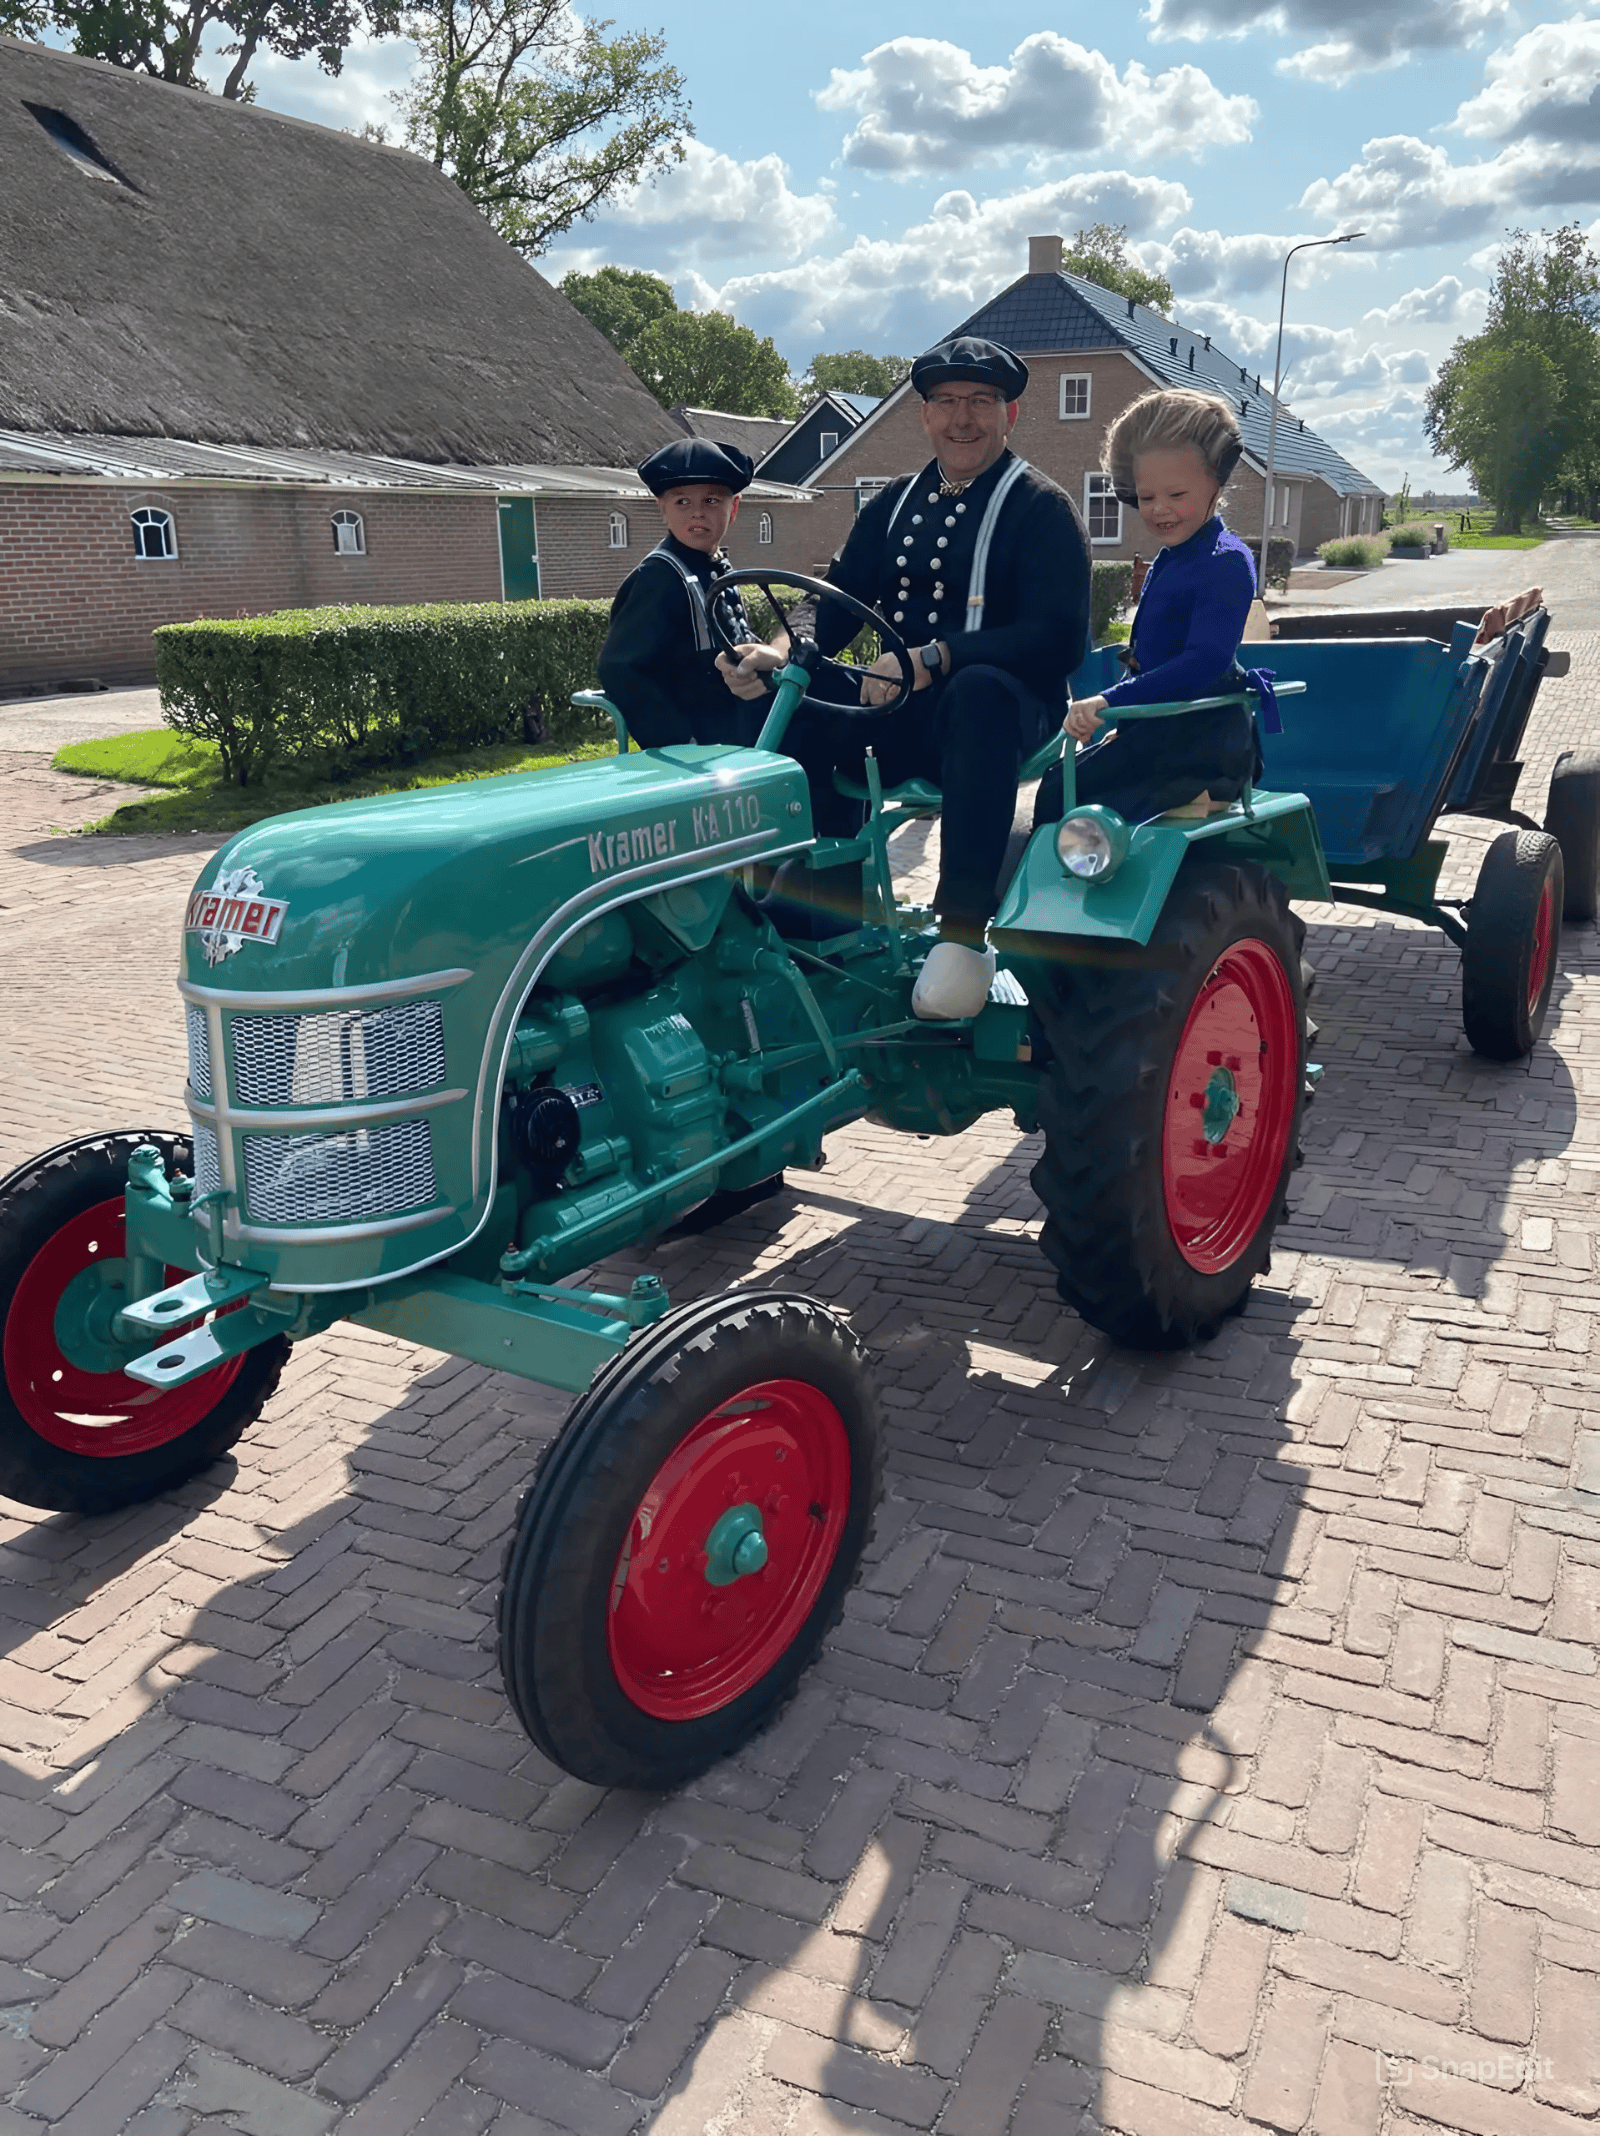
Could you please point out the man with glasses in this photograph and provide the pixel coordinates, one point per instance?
(981, 564)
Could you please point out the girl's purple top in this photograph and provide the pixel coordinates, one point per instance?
(1190, 619)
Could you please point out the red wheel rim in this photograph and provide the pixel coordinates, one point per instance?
(681, 1646)
(1544, 928)
(1230, 1106)
(103, 1414)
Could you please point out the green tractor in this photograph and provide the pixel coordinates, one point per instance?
(448, 1049)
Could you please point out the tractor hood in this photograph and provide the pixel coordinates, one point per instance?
(353, 976)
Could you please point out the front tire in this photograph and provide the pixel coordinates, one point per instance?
(690, 1538)
(1508, 966)
(1171, 1108)
(76, 1434)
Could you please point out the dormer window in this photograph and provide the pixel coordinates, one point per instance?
(155, 540)
(75, 145)
(349, 534)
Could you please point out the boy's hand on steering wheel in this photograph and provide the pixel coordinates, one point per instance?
(1084, 717)
(743, 676)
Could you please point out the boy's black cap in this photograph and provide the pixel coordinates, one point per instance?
(985, 363)
(695, 460)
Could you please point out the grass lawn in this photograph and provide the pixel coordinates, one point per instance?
(1480, 534)
(193, 797)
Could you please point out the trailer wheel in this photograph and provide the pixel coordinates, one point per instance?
(1171, 1109)
(689, 1538)
(76, 1434)
(1572, 817)
(1513, 928)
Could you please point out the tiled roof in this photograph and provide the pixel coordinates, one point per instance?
(1056, 313)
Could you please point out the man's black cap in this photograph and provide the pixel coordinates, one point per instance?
(696, 460)
(985, 363)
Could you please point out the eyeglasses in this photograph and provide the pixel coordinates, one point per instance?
(982, 403)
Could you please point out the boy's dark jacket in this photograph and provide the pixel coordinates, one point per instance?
(658, 664)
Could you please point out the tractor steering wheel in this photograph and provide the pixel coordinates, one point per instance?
(804, 650)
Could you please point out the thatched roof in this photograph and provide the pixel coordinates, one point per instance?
(238, 277)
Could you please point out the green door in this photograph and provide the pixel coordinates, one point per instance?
(519, 550)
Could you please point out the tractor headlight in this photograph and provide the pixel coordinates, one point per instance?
(1092, 842)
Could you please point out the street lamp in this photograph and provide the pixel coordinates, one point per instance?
(1348, 238)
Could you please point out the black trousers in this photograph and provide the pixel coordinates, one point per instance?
(969, 733)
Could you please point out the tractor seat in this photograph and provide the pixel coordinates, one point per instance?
(920, 797)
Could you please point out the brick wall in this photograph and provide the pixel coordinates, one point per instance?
(576, 558)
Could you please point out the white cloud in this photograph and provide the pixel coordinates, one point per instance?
(1544, 87)
(1348, 36)
(921, 283)
(1320, 363)
(1403, 191)
(711, 205)
(1203, 263)
(926, 105)
(360, 94)
(1447, 302)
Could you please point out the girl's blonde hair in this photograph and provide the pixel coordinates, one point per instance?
(1165, 422)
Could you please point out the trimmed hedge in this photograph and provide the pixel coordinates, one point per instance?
(1110, 590)
(361, 686)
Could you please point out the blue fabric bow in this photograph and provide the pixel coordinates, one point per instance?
(1261, 680)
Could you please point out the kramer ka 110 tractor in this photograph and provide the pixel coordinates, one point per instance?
(449, 1048)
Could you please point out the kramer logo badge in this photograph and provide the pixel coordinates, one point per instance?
(232, 912)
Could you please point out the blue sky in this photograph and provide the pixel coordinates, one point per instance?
(865, 180)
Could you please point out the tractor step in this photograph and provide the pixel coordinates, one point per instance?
(207, 1292)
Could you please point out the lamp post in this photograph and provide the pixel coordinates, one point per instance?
(1349, 237)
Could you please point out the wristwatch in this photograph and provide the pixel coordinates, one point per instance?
(932, 659)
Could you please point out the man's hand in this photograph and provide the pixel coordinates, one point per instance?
(883, 679)
(743, 676)
(1084, 717)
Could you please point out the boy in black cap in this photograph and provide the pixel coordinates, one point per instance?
(658, 664)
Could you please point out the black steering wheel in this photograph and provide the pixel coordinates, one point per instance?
(804, 650)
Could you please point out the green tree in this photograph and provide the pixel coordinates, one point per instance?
(164, 40)
(1100, 254)
(620, 301)
(1519, 403)
(707, 360)
(854, 371)
(536, 112)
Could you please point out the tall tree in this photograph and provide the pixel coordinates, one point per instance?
(854, 371)
(159, 38)
(707, 360)
(1100, 254)
(620, 301)
(536, 112)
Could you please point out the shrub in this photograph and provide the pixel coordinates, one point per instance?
(1413, 535)
(360, 686)
(1280, 562)
(1110, 589)
(1355, 552)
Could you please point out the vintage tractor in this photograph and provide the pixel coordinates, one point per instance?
(447, 1049)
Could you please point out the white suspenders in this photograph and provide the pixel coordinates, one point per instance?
(695, 591)
(986, 527)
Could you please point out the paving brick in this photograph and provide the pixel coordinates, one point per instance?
(1282, 2083)
(1505, 1952)
(271, 2039)
(996, 2068)
(1349, 2099)
(1388, 1856)
(259, 2105)
(1229, 1989)
(900, 2093)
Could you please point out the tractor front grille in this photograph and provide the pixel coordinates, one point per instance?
(350, 1177)
(207, 1161)
(199, 1052)
(339, 1056)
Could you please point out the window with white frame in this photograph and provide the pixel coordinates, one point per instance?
(155, 539)
(828, 442)
(1101, 509)
(764, 527)
(349, 534)
(1074, 396)
(868, 486)
(619, 530)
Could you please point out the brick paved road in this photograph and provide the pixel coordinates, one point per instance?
(1211, 1741)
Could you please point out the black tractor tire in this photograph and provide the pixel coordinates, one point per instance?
(627, 1684)
(1508, 966)
(1138, 1099)
(1572, 817)
(76, 1439)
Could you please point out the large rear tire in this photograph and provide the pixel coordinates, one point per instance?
(1572, 817)
(1171, 1109)
(1508, 966)
(76, 1434)
(689, 1539)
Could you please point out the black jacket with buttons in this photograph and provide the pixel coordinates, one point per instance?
(1036, 607)
(659, 662)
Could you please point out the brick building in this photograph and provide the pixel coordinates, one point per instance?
(249, 363)
(1089, 353)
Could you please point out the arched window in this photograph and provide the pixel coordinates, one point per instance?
(349, 534)
(154, 539)
(619, 530)
(764, 527)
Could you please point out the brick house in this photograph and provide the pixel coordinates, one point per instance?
(249, 363)
(1089, 353)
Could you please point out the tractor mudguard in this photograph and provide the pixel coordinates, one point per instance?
(1044, 903)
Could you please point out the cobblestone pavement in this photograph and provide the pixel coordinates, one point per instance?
(1212, 1739)
(51, 722)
